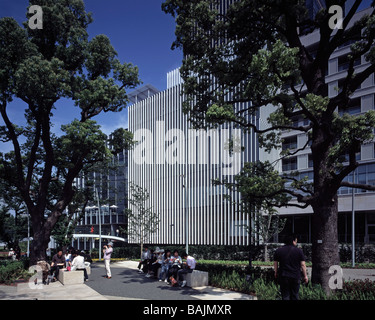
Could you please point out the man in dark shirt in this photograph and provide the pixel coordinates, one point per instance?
(58, 262)
(288, 263)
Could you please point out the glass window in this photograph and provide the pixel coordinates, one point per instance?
(353, 107)
(371, 178)
(289, 164)
(343, 63)
(289, 143)
(311, 163)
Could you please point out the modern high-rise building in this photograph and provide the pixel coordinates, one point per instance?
(177, 165)
(299, 220)
(111, 184)
(182, 193)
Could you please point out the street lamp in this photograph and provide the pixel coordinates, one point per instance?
(353, 223)
(100, 226)
(186, 215)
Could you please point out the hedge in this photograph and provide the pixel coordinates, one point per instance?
(11, 271)
(364, 253)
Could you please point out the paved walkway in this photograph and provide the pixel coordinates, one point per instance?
(126, 284)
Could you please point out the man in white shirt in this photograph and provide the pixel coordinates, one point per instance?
(79, 264)
(107, 259)
(188, 267)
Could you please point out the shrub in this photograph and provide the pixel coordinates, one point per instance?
(357, 290)
(237, 276)
(11, 271)
(312, 292)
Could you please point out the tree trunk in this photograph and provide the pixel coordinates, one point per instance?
(325, 249)
(42, 233)
(265, 246)
(39, 247)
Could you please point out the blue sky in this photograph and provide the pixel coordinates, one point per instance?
(140, 32)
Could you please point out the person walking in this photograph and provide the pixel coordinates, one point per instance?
(107, 250)
(289, 261)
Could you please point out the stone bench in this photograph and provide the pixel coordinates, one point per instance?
(197, 279)
(71, 277)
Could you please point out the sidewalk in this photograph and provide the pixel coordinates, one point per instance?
(53, 291)
(201, 293)
(57, 291)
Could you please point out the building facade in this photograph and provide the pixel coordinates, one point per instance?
(298, 220)
(177, 165)
(111, 184)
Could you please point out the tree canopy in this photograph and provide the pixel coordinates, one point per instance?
(255, 52)
(40, 67)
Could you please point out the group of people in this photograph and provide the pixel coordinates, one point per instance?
(289, 265)
(172, 267)
(71, 260)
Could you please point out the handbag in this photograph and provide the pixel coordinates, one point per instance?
(173, 281)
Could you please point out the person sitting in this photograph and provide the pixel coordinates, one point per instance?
(58, 262)
(156, 264)
(188, 267)
(68, 259)
(176, 263)
(12, 254)
(79, 264)
(152, 258)
(165, 265)
(144, 260)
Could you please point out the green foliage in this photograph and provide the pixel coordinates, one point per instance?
(264, 286)
(253, 53)
(11, 271)
(40, 67)
(82, 141)
(12, 230)
(121, 139)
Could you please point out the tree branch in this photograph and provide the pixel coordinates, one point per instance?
(357, 185)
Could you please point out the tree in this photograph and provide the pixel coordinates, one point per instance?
(253, 52)
(40, 67)
(256, 183)
(12, 230)
(142, 221)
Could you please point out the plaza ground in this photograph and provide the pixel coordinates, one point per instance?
(128, 284)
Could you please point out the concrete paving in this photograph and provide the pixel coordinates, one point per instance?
(53, 291)
(126, 284)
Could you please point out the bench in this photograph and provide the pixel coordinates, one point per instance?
(197, 279)
(71, 277)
